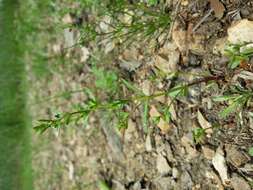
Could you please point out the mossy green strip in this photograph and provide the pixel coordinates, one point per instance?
(15, 159)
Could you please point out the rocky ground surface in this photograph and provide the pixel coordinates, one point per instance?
(166, 157)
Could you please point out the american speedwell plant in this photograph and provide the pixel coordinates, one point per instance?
(126, 22)
(117, 106)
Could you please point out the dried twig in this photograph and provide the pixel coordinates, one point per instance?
(174, 18)
(202, 20)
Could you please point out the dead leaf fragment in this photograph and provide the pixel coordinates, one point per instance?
(71, 171)
(246, 75)
(186, 42)
(67, 19)
(184, 2)
(153, 112)
(161, 99)
(172, 111)
(208, 153)
(219, 46)
(190, 150)
(146, 87)
(162, 125)
(168, 58)
(162, 165)
(218, 8)
(148, 144)
(56, 48)
(235, 157)
(219, 164)
(130, 59)
(204, 123)
(168, 62)
(131, 129)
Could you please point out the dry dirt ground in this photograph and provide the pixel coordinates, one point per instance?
(78, 157)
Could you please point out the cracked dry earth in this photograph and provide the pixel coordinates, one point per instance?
(165, 158)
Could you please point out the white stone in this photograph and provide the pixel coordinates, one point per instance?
(240, 32)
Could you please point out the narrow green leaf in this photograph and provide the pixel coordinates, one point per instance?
(175, 92)
(156, 120)
(45, 120)
(85, 119)
(90, 94)
(131, 86)
(236, 60)
(230, 109)
(248, 51)
(224, 98)
(185, 91)
(166, 114)
(250, 151)
(41, 128)
(232, 49)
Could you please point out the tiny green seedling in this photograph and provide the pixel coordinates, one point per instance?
(238, 53)
(198, 134)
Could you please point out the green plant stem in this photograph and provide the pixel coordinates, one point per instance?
(114, 105)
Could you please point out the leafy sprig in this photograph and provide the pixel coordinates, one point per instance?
(237, 53)
(127, 23)
(117, 106)
(237, 99)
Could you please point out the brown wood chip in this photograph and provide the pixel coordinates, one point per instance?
(218, 8)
